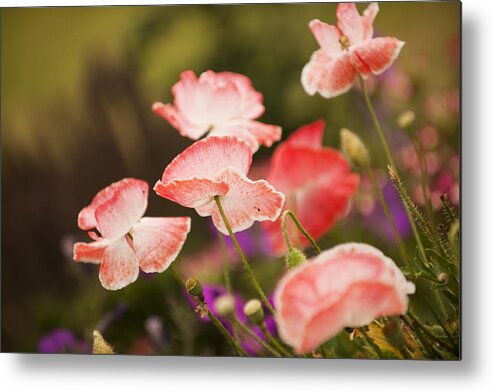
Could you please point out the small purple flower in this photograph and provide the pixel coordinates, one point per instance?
(379, 221)
(61, 341)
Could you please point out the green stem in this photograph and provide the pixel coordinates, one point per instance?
(398, 184)
(243, 259)
(424, 172)
(378, 127)
(257, 339)
(390, 218)
(440, 322)
(300, 228)
(239, 351)
(429, 334)
(371, 343)
(237, 348)
(227, 278)
(274, 342)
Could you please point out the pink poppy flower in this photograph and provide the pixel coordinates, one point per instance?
(316, 180)
(220, 104)
(347, 286)
(217, 166)
(128, 241)
(347, 50)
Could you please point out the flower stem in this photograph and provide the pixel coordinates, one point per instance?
(257, 338)
(424, 172)
(243, 259)
(300, 228)
(378, 127)
(236, 347)
(372, 344)
(274, 342)
(227, 278)
(390, 218)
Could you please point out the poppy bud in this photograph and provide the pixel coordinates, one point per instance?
(194, 288)
(406, 119)
(354, 149)
(394, 334)
(294, 258)
(225, 305)
(254, 311)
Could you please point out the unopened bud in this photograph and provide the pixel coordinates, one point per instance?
(194, 288)
(394, 334)
(442, 277)
(354, 149)
(294, 258)
(254, 311)
(225, 305)
(406, 119)
(100, 346)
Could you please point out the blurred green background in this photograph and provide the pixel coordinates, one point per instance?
(77, 85)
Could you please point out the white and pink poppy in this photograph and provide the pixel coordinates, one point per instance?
(124, 240)
(347, 50)
(218, 104)
(347, 286)
(317, 181)
(218, 166)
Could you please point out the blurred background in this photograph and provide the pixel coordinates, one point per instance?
(77, 85)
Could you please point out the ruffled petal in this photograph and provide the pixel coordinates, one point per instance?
(328, 77)
(157, 241)
(368, 17)
(254, 133)
(208, 158)
(310, 135)
(118, 191)
(327, 37)
(191, 193)
(126, 205)
(294, 168)
(347, 286)
(318, 184)
(247, 201)
(92, 252)
(119, 266)
(251, 104)
(174, 117)
(376, 55)
(350, 23)
(326, 201)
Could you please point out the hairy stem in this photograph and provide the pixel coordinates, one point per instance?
(246, 265)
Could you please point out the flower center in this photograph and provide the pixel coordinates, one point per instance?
(344, 41)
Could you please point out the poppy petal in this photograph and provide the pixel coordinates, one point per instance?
(310, 135)
(119, 266)
(376, 55)
(347, 286)
(368, 17)
(327, 37)
(191, 193)
(174, 117)
(208, 158)
(325, 202)
(251, 104)
(90, 252)
(247, 201)
(157, 241)
(349, 22)
(118, 213)
(329, 77)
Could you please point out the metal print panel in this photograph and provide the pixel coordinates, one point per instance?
(269, 180)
